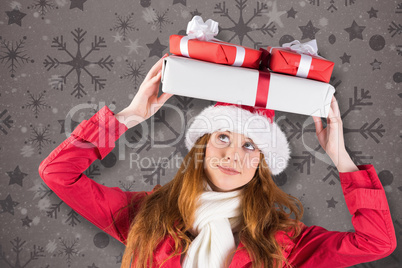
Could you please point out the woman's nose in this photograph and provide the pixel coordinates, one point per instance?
(232, 153)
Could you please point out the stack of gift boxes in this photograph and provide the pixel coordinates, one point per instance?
(291, 78)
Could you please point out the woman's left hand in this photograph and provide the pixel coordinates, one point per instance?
(331, 137)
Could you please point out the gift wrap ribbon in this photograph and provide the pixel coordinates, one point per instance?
(306, 50)
(205, 31)
(261, 99)
(240, 51)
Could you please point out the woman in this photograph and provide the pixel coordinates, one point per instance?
(222, 209)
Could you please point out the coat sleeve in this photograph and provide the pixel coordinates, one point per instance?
(374, 236)
(63, 171)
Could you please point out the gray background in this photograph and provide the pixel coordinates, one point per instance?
(363, 38)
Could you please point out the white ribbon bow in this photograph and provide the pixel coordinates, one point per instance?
(203, 31)
(309, 48)
(306, 50)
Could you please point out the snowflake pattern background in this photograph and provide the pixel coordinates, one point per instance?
(61, 61)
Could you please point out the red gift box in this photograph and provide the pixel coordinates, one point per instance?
(284, 60)
(215, 51)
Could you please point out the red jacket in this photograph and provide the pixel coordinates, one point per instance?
(374, 237)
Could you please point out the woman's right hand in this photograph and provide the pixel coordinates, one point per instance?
(146, 102)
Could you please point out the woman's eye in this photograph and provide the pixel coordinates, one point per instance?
(249, 146)
(223, 138)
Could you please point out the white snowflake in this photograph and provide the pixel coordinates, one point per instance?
(36, 220)
(382, 113)
(185, 14)
(388, 188)
(27, 151)
(56, 81)
(323, 22)
(130, 178)
(117, 37)
(149, 15)
(44, 204)
(398, 111)
(61, 3)
(160, 135)
(15, 5)
(36, 188)
(388, 85)
(134, 46)
(274, 15)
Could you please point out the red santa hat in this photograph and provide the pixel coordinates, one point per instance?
(254, 123)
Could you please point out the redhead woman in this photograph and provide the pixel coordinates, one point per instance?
(222, 208)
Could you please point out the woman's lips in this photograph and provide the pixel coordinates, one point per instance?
(228, 171)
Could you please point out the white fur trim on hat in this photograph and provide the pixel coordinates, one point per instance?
(267, 136)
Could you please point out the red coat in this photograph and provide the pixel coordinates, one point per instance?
(374, 237)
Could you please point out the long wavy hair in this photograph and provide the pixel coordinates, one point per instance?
(170, 211)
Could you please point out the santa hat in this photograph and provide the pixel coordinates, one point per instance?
(254, 123)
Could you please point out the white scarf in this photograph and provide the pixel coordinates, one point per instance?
(217, 215)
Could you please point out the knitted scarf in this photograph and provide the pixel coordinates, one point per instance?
(218, 213)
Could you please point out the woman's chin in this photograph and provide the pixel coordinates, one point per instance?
(221, 188)
(214, 187)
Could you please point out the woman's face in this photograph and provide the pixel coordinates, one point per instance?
(231, 160)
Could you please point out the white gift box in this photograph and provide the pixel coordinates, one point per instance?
(210, 81)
